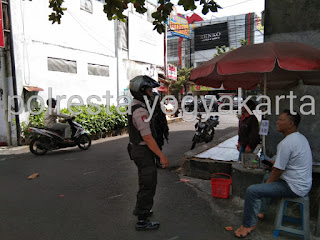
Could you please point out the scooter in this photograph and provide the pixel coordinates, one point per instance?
(204, 130)
(46, 139)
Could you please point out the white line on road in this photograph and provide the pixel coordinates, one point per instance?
(173, 238)
(116, 196)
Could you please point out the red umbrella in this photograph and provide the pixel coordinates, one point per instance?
(281, 64)
(274, 65)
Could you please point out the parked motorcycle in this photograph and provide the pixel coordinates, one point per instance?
(189, 106)
(204, 130)
(45, 139)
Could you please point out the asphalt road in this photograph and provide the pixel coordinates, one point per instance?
(84, 195)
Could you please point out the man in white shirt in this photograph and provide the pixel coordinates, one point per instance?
(291, 174)
(50, 119)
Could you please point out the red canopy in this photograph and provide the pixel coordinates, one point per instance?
(285, 63)
(194, 18)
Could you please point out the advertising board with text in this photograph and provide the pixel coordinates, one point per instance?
(211, 36)
(172, 72)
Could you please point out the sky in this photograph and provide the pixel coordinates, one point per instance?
(230, 8)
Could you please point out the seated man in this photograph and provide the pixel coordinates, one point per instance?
(50, 120)
(291, 175)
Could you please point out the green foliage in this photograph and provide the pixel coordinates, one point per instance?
(161, 15)
(102, 122)
(114, 9)
(34, 121)
(222, 50)
(93, 123)
(57, 10)
(244, 42)
(182, 79)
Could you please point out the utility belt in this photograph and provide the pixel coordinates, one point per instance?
(130, 147)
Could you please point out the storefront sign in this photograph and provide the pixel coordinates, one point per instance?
(211, 36)
(179, 25)
(172, 72)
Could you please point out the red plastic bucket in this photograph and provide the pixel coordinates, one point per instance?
(220, 186)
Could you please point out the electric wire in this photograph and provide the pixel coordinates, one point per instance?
(82, 26)
(237, 4)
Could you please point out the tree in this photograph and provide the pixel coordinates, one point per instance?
(244, 42)
(222, 49)
(182, 80)
(114, 9)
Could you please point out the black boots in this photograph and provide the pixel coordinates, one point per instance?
(145, 225)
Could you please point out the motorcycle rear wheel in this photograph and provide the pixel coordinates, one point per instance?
(34, 148)
(84, 142)
(211, 135)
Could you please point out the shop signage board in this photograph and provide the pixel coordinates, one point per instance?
(179, 25)
(211, 36)
(172, 72)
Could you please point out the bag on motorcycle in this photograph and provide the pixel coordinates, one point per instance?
(129, 149)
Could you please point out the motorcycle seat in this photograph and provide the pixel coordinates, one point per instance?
(53, 130)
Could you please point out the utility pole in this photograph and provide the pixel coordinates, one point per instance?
(165, 50)
(10, 63)
(3, 74)
(118, 52)
(5, 95)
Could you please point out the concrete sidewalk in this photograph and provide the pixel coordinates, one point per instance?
(8, 150)
(230, 211)
(12, 150)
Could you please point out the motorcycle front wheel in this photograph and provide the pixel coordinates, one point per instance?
(35, 147)
(84, 142)
(194, 141)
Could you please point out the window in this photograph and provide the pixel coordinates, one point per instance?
(62, 65)
(86, 5)
(98, 70)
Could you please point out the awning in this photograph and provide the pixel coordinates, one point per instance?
(32, 89)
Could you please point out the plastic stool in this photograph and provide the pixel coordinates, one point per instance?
(304, 208)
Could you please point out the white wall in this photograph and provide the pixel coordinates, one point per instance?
(145, 44)
(82, 37)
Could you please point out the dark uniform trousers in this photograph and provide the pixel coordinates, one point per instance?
(147, 172)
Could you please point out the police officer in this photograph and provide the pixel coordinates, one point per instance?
(142, 148)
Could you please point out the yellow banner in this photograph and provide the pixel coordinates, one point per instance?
(179, 25)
